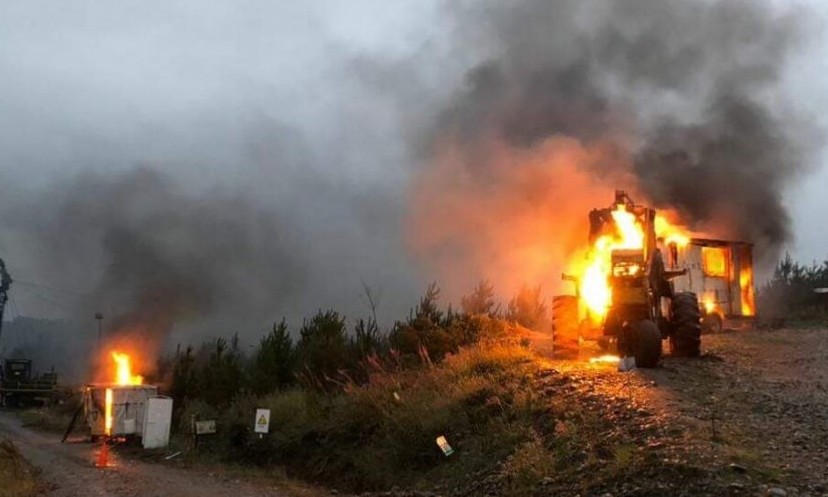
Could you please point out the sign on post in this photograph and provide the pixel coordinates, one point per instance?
(262, 421)
(205, 427)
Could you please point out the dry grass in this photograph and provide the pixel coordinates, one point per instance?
(17, 477)
(486, 400)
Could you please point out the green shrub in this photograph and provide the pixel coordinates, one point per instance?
(274, 365)
(221, 378)
(322, 350)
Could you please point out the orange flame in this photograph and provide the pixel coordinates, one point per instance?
(746, 287)
(108, 412)
(123, 374)
(595, 271)
(595, 288)
(608, 359)
(709, 305)
(670, 232)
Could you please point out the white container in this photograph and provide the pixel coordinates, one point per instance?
(157, 420)
(128, 408)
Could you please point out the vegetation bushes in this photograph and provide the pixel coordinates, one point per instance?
(362, 409)
(789, 294)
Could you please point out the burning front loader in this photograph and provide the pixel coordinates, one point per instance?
(628, 296)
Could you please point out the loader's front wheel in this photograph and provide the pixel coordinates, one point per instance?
(565, 326)
(686, 336)
(645, 343)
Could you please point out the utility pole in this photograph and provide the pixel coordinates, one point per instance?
(99, 318)
(5, 284)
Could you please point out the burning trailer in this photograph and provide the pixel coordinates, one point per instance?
(720, 273)
(127, 408)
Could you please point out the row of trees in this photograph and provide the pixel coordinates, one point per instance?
(327, 354)
(790, 292)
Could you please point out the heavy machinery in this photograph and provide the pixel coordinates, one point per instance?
(640, 307)
(18, 386)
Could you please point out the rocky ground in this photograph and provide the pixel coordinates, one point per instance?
(748, 418)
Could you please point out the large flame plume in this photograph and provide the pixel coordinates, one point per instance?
(123, 377)
(594, 272)
(123, 370)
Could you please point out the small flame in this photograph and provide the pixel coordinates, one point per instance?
(709, 305)
(108, 412)
(746, 287)
(123, 375)
(609, 359)
(670, 232)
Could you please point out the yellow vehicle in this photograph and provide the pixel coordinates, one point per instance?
(642, 307)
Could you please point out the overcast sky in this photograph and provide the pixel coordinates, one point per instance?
(297, 103)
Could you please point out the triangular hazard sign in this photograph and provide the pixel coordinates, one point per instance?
(262, 420)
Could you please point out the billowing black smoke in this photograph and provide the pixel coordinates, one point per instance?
(682, 98)
(156, 255)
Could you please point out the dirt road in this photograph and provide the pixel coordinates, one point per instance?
(68, 471)
(751, 415)
(762, 397)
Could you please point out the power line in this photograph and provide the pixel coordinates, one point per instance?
(14, 306)
(53, 289)
(48, 299)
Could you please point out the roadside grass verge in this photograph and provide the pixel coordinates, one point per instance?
(511, 421)
(17, 477)
(383, 434)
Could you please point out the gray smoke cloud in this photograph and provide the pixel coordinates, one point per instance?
(211, 169)
(195, 171)
(678, 101)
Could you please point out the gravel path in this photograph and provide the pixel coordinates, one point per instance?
(767, 391)
(751, 414)
(68, 471)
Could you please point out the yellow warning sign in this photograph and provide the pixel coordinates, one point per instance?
(262, 421)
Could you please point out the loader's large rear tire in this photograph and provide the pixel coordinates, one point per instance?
(646, 344)
(565, 326)
(686, 336)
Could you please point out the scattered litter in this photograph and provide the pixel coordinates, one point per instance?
(171, 456)
(397, 397)
(444, 446)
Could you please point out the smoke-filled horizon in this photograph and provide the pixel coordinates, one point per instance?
(210, 169)
(681, 104)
